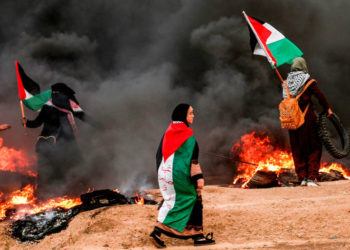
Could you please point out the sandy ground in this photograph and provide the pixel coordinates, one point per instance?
(274, 218)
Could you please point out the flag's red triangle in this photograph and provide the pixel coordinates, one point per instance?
(21, 92)
(175, 136)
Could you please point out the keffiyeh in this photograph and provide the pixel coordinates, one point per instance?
(295, 81)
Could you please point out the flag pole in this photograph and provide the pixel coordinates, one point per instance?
(278, 74)
(263, 47)
(23, 116)
(19, 82)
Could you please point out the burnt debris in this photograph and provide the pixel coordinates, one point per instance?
(101, 198)
(36, 227)
(286, 178)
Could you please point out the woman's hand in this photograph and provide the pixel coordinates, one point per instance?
(329, 112)
(200, 186)
(4, 126)
(24, 121)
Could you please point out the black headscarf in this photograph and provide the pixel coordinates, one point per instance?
(180, 113)
(61, 99)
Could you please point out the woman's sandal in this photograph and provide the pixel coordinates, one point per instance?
(201, 240)
(156, 240)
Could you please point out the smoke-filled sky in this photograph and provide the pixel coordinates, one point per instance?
(131, 62)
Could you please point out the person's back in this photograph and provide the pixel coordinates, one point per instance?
(305, 145)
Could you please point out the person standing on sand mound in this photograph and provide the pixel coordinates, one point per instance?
(180, 181)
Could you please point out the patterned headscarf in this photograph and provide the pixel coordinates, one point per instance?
(297, 78)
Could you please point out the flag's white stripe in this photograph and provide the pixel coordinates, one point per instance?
(28, 95)
(275, 35)
(166, 185)
(78, 109)
(75, 107)
(258, 50)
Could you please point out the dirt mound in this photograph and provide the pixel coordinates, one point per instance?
(283, 218)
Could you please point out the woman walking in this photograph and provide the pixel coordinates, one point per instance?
(180, 181)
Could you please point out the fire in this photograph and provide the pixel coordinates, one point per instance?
(336, 167)
(259, 150)
(14, 161)
(23, 202)
(139, 200)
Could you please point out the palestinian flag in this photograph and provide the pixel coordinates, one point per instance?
(29, 91)
(266, 41)
(174, 176)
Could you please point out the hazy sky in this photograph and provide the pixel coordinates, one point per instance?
(131, 62)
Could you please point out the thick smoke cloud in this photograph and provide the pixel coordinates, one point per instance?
(131, 62)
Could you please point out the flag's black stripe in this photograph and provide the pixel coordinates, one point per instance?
(28, 84)
(259, 20)
(253, 39)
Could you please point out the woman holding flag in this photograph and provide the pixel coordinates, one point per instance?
(181, 182)
(267, 41)
(57, 147)
(305, 143)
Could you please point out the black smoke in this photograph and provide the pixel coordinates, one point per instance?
(131, 62)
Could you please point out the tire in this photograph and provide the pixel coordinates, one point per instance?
(263, 179)
(324, 135)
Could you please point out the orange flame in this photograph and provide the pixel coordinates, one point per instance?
(23, 201)
(14, 161)
(139, 200)
(259, 150)
(335, 167)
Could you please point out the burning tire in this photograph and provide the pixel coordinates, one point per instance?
(325, 137)
(263, 179)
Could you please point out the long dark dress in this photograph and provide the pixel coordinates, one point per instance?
(305, 144)
(57, 151)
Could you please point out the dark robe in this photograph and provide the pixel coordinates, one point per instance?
(57, 151)
(305, 144)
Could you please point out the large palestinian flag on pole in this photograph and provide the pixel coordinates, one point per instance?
(174, 176)
(29, 91)
(266, 41)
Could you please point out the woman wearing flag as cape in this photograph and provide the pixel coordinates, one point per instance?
(180, 181)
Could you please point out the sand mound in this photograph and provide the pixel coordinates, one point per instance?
(283, 218)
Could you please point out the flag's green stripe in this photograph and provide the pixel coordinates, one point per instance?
(284, 51)
(36, 102)
(186, 194)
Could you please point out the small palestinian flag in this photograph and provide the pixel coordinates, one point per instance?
(173, 176)
(266, 41)
(29, 91)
